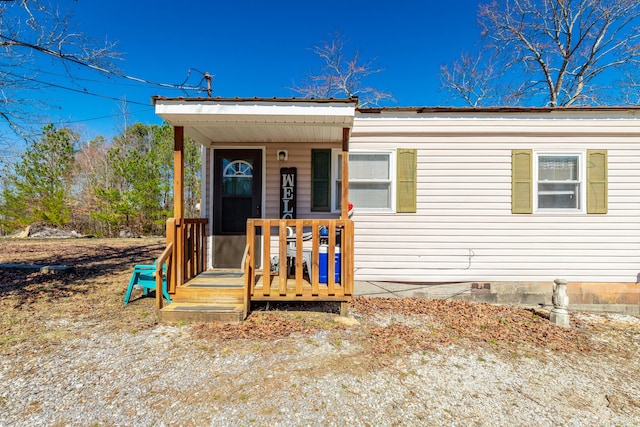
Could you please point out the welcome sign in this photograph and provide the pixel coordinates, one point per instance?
(288, 193)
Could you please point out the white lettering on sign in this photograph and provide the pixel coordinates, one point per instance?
(287, 207)
(287, 180)
(287, 211)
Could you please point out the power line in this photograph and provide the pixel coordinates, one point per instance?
(84, 79)
(85, 92)
(91, 118)
(76, 60)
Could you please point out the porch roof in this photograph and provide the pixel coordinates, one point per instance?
(231, 120)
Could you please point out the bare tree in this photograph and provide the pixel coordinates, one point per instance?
(32, 32)
(554, 52)
(629, 87)
(472, 78)
(341, 75)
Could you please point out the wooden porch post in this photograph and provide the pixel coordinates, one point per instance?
(347, 276)
(345, 173)
(178, 172)
(178, 201)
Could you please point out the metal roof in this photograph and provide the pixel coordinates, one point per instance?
(476, 110)
(264, 120)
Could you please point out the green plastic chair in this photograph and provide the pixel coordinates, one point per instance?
(143, 277)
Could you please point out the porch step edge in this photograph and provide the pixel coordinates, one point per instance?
(191, 312)
(213, 301)
(209, 294)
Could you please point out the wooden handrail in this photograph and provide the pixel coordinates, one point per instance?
(289, 279)
(245, 255)
(245, 266)
(195, 248)
(188, 237)
(164, 257)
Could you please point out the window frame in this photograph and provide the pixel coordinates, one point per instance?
(582, 181)
(392, 181)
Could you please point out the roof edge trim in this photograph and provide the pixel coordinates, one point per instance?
(352, 100)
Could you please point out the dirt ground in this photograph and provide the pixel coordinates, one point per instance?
(77, 320)
(37, 309)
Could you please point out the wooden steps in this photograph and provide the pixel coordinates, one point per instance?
(216, 295)
(208, 293)
(202, 312)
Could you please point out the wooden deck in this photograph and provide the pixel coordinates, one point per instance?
(292, 292)
(225, 295)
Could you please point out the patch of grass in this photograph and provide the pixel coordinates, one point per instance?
(10, 338)
(50, 309)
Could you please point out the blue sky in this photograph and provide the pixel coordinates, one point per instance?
(258, 48)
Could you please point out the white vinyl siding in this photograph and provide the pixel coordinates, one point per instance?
(300, 158)
(464, 230)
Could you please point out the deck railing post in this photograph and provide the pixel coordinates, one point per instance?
(165, 257)
(348, 257)
(200, 267)
(315, 257)
(172, 279)
(282, 256)
(192, 248)
(266, 257)
(299, 257)
(331, 258)
(204, 246)
(251, 268)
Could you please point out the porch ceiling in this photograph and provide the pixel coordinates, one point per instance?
(258, 120)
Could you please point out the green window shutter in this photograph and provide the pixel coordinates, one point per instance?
(321, 180)
(597, 182)
(406, 183)
(521, 182)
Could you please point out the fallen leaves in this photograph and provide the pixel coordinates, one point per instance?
(460, 322)
(387, 326)
(396, 326)
(268, 326)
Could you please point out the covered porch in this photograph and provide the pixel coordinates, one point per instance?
(263, 235)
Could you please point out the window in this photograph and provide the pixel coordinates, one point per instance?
(379, 181)
(370, 180)
(237, 177)
(559, 182)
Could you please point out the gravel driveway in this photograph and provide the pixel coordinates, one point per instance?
(72, 354)
(166, 375)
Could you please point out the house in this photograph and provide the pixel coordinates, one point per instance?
(493, 195)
